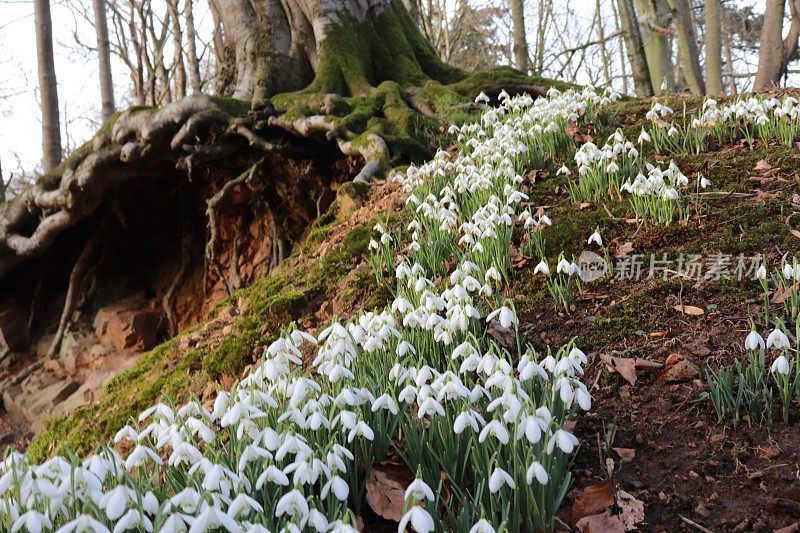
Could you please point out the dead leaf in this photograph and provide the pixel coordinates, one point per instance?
(592, 500)
(631, 510)
(505, 336)
(624, 249)
(795, 232)
(673, 358)
(658, 334)
(584, 205)
(574, 132)
(681, 372)
(690, 310)
(761, 180)
(386, 487)
(517, 259)
(782, 294)
(763, 165)
(796, 199)
(791, 528)
(624, 366)
(600, 523)
(763, 196)
(626, 454)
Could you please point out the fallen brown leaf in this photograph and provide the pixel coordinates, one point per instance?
(386, 487)
(690, 310)
(624, 366)
(584, 205)
(658, 334)
(505, 336)
(795, 232)
(624, 249)
(632, 510)
(763, 196)
(791, 528)
(763, 165)
(626, 454)
(592, 500)
(600, 523)
(782, 294)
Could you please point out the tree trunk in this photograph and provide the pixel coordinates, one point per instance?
(687, 47)
(48, 89)
(520, 42)
(770, 51)
(192, 61)
(104, 57)
(713, 45)
(653, 19)
(642, 85)
(178, 66)
(601, 37)
(344, 47)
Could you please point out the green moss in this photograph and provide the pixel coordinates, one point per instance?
(231, 106)
(336, 264)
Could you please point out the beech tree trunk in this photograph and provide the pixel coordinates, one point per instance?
(642, 85)
(713, 46)
(104, 59)
(653, 18)
(48, 89)
(520, 42)
(345, 47)
(192, 61)
(687, 47)
(774, 51)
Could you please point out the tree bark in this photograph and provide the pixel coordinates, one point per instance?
(770, 52)
(48, 89)
(192, 61)
(104, 59)
(642, 85)
(344, 47)
(520, 42)
(687, 47)
(713, 45)
(178, 66)
(653, 19)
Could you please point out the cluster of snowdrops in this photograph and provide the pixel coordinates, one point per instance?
(480, 425)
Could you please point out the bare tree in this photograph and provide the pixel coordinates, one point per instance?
(520, 42)
(688, 52)
(104, 56)
(774, 52)
(653, 17)
(48, 88)
(192, 60)
(634, 46)
(713, 47)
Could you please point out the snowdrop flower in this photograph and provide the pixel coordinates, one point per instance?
(777, 340)
(33, 521)
(499, 478)
(565, 440)
(418, 491)
(780, 365)
(754, 341)
(212, 518)
(132, 520)
(644, 137)
(595, 238)
(788, 271)
(761, 273)
(419, 519)
(542, 268)
(506, 316)
(537, 471)
(563, 266)
(336, 485)
(482, 526)
(292, 504)
(83, 524)
(563, 171)
(495, 429)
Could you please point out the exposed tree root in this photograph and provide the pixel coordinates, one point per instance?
(167, 303)
(76, 280)
(213, 204)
